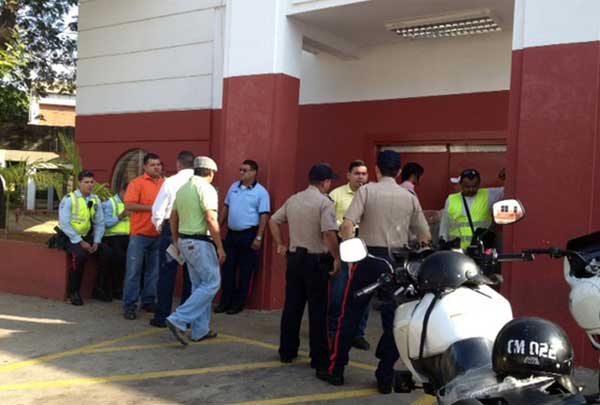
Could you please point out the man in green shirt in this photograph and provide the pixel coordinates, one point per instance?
(342, 196)
(195, 231)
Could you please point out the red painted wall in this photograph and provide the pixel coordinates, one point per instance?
(33, 269)
(555, 155)
(103, 139)
(338, 133)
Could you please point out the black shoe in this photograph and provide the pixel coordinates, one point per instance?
(151, 308)
(286, 359)
(219, 309)
(322, 374)
(129, 315)
(75, 299)
(384, 388)
(100, 295)
(157, 324)
(234, 310)
(209, 335)
(178, 333)
(336, 378)
(361, 344)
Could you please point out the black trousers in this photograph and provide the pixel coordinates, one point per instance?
(114, 262)
(353, 310)
(306, 279)
(238, 246)
(79, 258)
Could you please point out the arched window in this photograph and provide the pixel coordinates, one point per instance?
(128, 168)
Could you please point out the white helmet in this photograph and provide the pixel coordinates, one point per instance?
(584, 299)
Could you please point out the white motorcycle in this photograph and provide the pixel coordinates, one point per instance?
(456, 335)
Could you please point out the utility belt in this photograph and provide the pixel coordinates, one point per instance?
(325, 260)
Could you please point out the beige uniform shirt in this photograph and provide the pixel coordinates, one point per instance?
(387, 214)
(308, 213)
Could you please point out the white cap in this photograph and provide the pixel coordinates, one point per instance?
(204, 162)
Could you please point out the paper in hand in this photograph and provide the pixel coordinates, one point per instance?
(175, 254)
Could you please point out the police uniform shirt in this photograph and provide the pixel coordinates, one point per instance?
(384, 207)
(308, 213)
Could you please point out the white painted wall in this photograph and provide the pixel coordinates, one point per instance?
(260, 39)
(552, 22)
(149, 55)
(409, 69)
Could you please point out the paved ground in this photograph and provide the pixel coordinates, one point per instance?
(54, 353)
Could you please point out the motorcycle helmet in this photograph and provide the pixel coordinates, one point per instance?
(584, 304)
(447, 270)
(532, 346)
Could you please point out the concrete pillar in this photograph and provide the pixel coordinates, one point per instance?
(553, 150)
(31, 190)
(260, 114)
(50, 205)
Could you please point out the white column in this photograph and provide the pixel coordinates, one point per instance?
(50, 205)
(31, 189)
(260, 39)
(553, 22)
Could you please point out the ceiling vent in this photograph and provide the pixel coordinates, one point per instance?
(458, 24)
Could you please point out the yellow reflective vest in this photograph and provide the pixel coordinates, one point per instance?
(123, 227)
(81, 215)
(458, 222)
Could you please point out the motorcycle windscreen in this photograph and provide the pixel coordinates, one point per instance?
(586, 242)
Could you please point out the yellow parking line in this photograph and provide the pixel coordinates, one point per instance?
(270, 346)
(138, 377)
(83, 349)
(314, 397)
(156, 346)
(425, 400)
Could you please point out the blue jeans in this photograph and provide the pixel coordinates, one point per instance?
(167, 274)
(141, 250)
(336, 298)
(203, 266)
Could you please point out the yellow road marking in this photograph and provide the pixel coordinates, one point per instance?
(83, 349)
(35, 320)
(314, 397)
(425, 400)
(270, 346)
(216, 341)
(139, 377)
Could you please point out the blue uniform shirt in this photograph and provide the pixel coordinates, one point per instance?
(64, 219)
(110, 217)
(246, 205)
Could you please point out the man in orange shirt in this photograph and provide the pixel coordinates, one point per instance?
(143, 240)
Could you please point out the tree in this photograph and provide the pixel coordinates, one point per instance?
(34, 40)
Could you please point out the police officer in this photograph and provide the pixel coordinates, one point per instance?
(378, 208)
(312, 226)
(116, 239)
(81, 219)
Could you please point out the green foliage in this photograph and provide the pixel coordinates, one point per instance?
(34, 39)
(14, 105)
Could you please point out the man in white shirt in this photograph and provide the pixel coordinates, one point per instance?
(161, 212)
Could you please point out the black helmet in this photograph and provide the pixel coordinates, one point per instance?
(532, 346)
(448, 269)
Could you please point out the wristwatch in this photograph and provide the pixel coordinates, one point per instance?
(258, 237)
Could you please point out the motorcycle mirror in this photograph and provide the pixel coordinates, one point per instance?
(353, 250)
(508, 211)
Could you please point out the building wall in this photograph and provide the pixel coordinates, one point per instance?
(56, 115)
(143, 65)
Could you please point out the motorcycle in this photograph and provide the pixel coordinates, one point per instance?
(452, 329)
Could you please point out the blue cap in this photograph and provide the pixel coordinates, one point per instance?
(321, 172)
(389, 159)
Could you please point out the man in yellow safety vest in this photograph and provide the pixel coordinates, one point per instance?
(116, 239)
(468, 209)
(81, 219)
